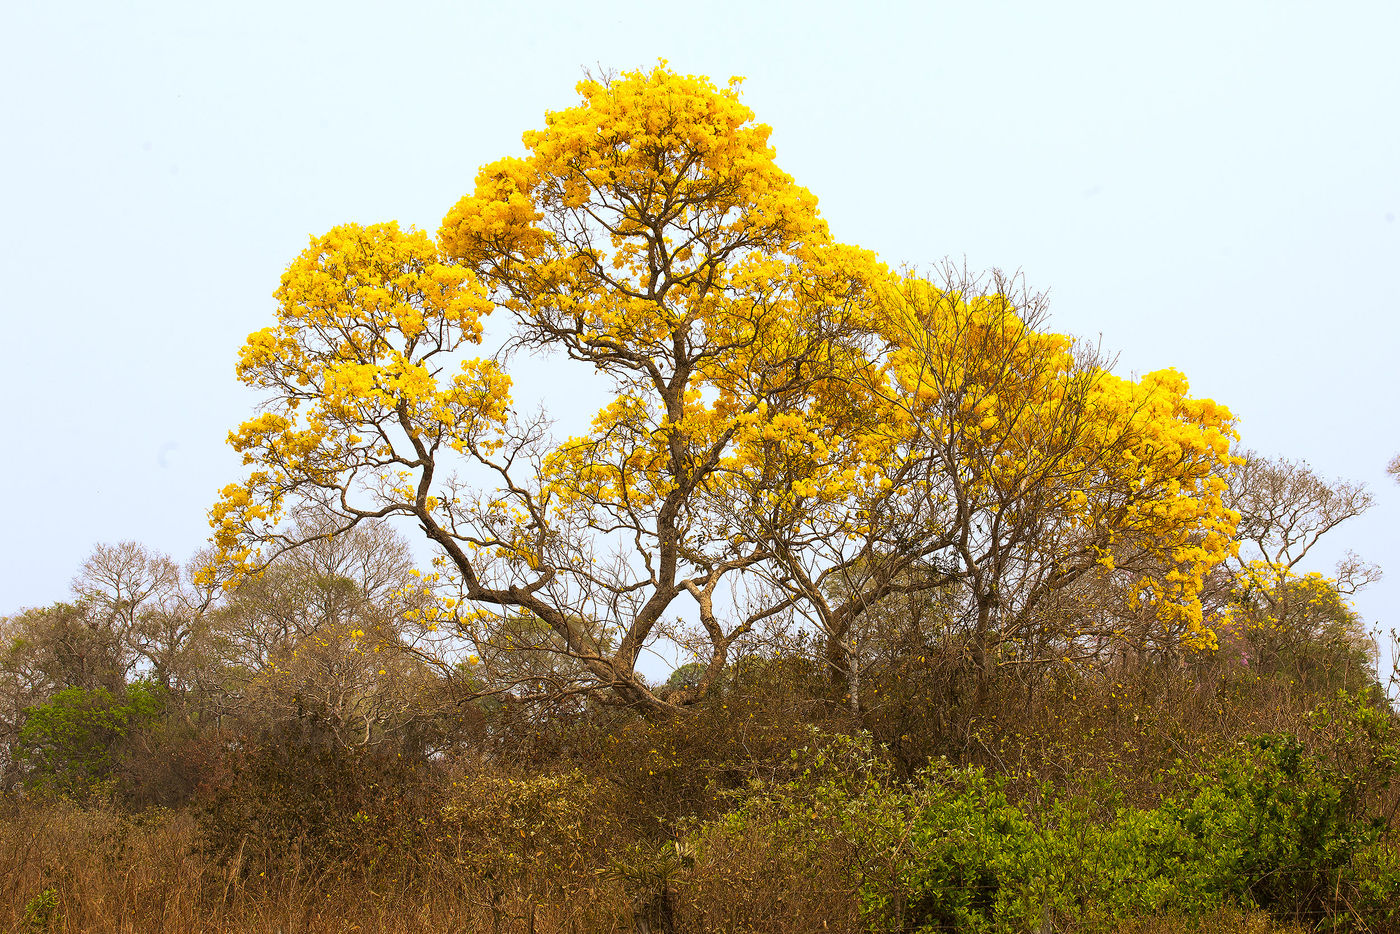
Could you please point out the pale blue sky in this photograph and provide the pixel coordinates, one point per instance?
(1211, 186)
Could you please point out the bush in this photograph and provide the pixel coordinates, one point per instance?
(282, 806)
(72, 743)
(1280, 824)
(1281, 827)
(528, 839)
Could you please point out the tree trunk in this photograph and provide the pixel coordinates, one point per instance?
(653, 912)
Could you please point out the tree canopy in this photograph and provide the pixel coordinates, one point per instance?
(794, 431)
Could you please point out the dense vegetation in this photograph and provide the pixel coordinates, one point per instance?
(952, 629)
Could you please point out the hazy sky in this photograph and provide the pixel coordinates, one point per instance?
(1210, 186)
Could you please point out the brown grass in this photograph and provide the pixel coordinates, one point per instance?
(114, 874)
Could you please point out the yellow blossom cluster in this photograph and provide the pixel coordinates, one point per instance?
(356, 368)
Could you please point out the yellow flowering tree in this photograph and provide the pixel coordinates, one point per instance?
(792, 430)
(649, 235)
(1005, 467)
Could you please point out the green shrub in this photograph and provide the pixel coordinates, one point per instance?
(71, 743)
(1284, 824)
(41, 913)
(1280, 827)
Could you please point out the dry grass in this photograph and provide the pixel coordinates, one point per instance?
(114, 874)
